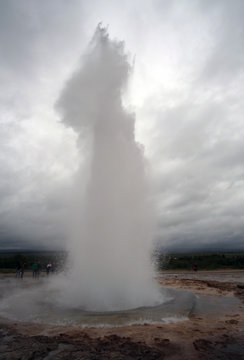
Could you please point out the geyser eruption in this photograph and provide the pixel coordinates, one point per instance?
(111, 239)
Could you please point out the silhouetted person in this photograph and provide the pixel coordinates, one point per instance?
(22, 269)
(194, 267)
(18, 270)
(35, 269)
(48, 268)
(38, 268)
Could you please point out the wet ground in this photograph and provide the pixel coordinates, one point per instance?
(218, 275)
(214, 329)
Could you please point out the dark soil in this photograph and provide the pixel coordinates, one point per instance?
(15, 346)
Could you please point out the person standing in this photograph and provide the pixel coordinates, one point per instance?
(18, 270)
(35, 270)
(48, 268)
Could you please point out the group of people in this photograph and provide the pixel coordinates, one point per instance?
(36, 268)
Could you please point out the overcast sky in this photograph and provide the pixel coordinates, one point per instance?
(186, 91)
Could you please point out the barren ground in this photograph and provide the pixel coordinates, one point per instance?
(205, 337)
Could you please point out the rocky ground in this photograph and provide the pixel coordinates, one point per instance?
(201, 337)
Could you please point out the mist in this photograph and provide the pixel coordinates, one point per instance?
(111, 219)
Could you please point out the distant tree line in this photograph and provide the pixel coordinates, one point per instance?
(214, 261)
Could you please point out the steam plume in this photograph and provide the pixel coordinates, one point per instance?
(110, 241)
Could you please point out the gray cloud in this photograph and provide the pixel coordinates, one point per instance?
(188, 86)
(226, 58)
(199, 157)
(31, 32)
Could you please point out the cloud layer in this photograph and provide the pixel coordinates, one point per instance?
(186, 91)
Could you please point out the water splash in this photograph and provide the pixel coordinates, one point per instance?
(110, 242)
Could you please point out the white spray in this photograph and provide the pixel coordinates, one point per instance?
(111, 239)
